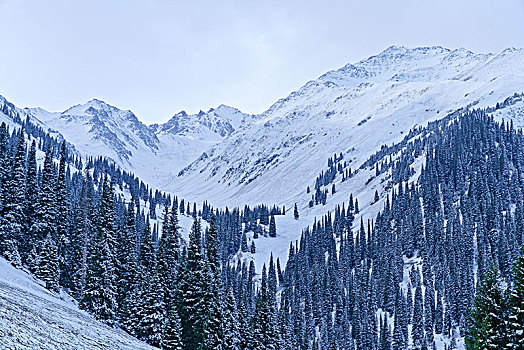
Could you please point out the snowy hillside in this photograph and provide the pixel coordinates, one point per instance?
(354, 110)
(31, 317)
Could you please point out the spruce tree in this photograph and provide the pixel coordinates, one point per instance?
(48, 269)
(172, 332)
(44, 225)
(231, 337)
(192, 294)
(272, 227)
(168, 255)
(488, 328)
(100, 292)
(126, 274)
(151, 312)
(31, 199)
(516, 309)
(12, 218)
(213, 325)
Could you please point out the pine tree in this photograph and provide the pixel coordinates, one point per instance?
(488, 327)
(44, 226)
(31, 199)
(516, 310)
(230, 323)
(12, 216)
(265, 332)
(168, 255)
(243, 246)
(272, 227)
(213, 325)
(62, 215)
(295, 212)
(418, 325)
(126, 274)
(172, 332)
(100, 293)
(48, 269)
(151, 309)
(192, 294)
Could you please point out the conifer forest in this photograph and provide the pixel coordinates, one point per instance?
(442, 259)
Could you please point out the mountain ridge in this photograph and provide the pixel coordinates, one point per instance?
(232, 157)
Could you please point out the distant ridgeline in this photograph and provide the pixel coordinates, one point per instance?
(405, 279)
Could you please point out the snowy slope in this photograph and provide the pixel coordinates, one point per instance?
(31, 317)
(353, 110)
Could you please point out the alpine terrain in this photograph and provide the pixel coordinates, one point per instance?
(380, 206)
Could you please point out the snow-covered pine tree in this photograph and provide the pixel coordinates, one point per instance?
(264, 328)
(44, 226)
(12, 218)
(126, 269)
(100, 293)
(488, 330)
(151, 312)
(62, 216)
(214, 328)
(516, 309)
(231, 338)
(31, 199)
(172, 332)
(168, 255)
(243, 246)
(192, 293)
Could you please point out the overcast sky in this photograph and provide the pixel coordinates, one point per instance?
(159, 57)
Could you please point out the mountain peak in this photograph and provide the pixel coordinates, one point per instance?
(222, 120)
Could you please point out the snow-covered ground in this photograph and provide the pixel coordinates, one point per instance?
(31, 317)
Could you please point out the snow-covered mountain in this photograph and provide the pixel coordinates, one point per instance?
(184, 137)
(97, 128)
(232, 158)
(354, 110)
(153, 152)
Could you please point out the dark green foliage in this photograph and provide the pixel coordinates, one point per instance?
(272, 227)
(488, 319)
(172, 332)
(192, 292)
(100, 292)
(516, 306)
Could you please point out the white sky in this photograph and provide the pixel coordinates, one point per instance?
(159, 57)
